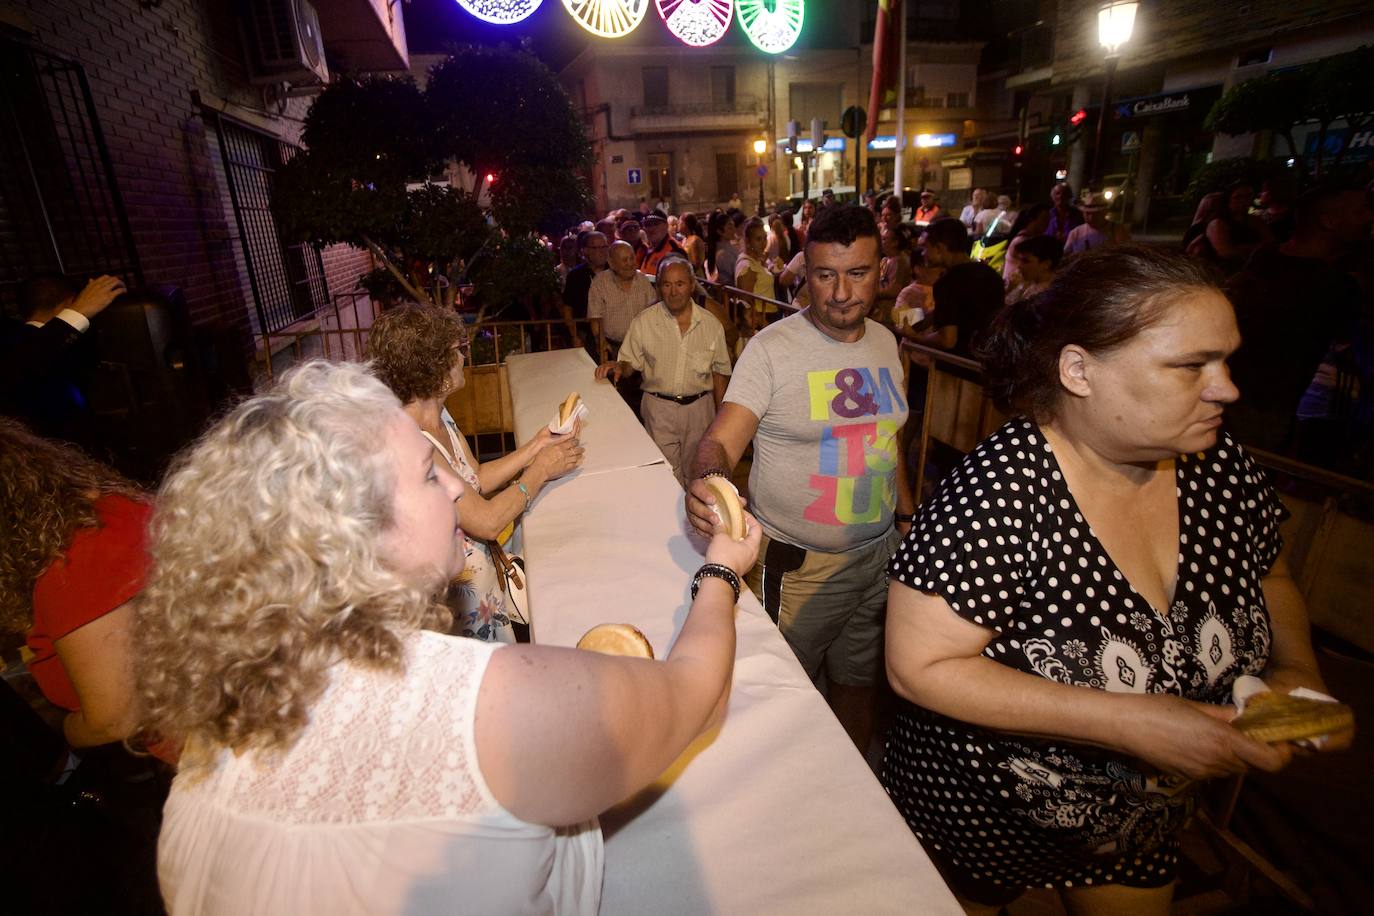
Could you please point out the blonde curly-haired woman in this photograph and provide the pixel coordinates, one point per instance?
(343, 757)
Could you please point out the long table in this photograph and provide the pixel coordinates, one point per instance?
(773, 812)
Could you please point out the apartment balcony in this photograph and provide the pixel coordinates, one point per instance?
(364, 35)
(743, 114)
(1032, 56)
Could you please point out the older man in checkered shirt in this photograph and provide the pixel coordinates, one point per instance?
(680, 349)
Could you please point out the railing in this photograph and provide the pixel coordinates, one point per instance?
(740, 303)
(336, 331)
(740, 105)
(482, 407)
(1330, 533)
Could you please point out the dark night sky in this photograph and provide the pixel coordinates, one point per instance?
(433, 25)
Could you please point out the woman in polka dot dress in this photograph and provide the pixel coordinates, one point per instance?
(1112, 565)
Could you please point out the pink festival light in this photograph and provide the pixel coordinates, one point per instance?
(697, 23)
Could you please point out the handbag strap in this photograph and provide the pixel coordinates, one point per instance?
(508, 568)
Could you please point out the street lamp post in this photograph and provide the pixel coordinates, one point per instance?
(1115, 21)
(760, 147)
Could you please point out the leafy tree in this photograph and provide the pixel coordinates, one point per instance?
(1335, 88)
(1342, 87)
(401, 172)
(505, 113)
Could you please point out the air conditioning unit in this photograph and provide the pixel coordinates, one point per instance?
(284, 43)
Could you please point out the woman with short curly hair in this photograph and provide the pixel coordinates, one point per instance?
(418, 352)
(72, 555)
(340, 756)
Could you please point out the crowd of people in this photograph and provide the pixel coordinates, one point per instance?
(311, 617)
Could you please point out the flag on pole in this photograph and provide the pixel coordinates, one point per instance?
(886, 44)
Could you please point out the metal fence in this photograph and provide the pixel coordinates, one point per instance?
(341, 331)
(287, 281)
(60, 207)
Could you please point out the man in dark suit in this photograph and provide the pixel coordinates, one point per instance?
(593, 249)
(42, 357)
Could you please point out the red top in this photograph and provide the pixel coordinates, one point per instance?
(103, 568)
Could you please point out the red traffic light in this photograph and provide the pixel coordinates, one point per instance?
(491, 179)
(1078, 117)
(1018, 150)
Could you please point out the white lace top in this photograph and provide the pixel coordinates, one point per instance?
(379, 807)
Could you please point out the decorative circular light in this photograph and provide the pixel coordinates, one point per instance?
(697, 22)
(775, 30)
(501, 12)
(608, 18)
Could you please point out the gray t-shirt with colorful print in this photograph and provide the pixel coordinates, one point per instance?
(830, 417)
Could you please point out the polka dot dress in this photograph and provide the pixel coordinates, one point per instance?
(1005, 545)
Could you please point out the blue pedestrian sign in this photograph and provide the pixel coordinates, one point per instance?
(761, 171)
(636, 176)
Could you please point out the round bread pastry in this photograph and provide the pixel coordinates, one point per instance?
(1271, 717)
(616, 639)
(727, 507)
(565, 410)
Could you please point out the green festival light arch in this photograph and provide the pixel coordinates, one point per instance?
(772, 25)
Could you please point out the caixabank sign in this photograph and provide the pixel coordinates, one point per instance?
(1188, 101)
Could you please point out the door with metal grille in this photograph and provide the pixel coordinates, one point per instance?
(60, 207)
(287, 281)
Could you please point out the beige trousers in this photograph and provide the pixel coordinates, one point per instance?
(677, 428)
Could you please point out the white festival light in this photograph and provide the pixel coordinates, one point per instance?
(697, 23)
(608, 18)
(501, 12)
(772, 30)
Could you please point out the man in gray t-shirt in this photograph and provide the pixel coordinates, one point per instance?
(821, 396)
(825, 451)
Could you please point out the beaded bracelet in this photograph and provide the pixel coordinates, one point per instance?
(717, 571)
(529, 500)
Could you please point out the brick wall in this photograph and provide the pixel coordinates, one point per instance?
(1170, 30)
(343, 264)
(145, 67)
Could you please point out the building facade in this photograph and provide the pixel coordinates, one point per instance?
(677, 124)
(143, 137)
(1179, 60)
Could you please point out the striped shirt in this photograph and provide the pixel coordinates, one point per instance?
(616, 306)
(674, 363)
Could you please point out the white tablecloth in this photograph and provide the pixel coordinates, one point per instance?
(612, 436)
(775, 812)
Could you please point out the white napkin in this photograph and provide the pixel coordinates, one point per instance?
(1247, 685)
(909, 317)
(562, 429)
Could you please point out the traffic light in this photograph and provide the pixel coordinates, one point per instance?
(1056, 137)
(1018, 150)
(1076, 122)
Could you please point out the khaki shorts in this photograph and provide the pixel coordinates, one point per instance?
(830, 607)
